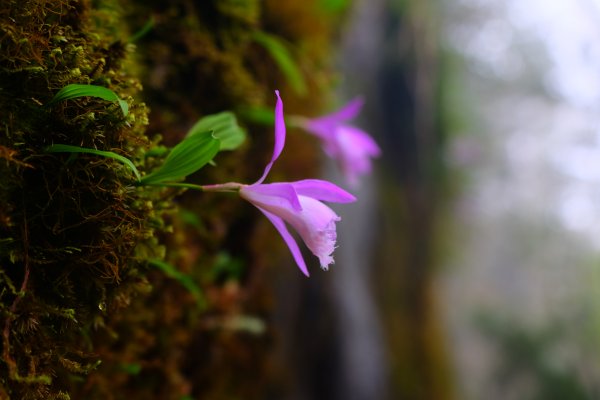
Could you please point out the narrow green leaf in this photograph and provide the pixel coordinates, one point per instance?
(75, 90)
(148, 26)
(257, 115)
(191, 154)
(65, 148)
(185, 280)
(225, 128)
(281, 55)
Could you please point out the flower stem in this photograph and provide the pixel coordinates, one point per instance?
(221, 187)
(297, 121)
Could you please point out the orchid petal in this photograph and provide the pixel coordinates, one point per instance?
(354, 151)
(321, 127)
(324, 127)
(349, 111)
(288, 238)
(272, 194)
(361, 139)
(322, 190)
(279, 136)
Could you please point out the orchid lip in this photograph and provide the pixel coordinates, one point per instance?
(313, 221)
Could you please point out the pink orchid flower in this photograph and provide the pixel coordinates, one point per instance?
(295, 203)
(351, 147)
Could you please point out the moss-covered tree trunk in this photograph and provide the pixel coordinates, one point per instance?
(82, 313)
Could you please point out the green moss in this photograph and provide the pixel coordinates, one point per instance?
(71, 229)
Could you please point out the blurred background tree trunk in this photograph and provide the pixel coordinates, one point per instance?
(372, 328)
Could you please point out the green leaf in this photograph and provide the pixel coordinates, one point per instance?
(257, 115)
(75, 90)
(225, 128)
(144, 30)
(281, 55)
(65, 148)
(191, 154)
(185, 280)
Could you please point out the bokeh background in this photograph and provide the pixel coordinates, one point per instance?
(469, 267)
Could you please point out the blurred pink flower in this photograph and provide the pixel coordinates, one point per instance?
(296, 203)
(351, 147)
